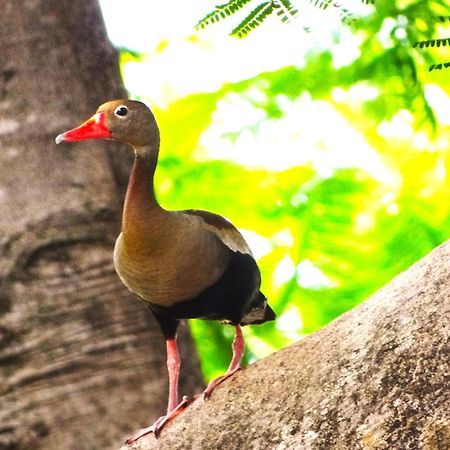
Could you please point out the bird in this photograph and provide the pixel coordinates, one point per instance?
(183, 264)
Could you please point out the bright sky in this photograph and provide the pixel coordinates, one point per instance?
(141, 25)
(210, 57)
(206, 59)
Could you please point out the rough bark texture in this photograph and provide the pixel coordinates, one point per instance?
(376, 378)
(82, 363)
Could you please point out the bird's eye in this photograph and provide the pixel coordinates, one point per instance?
(121, 111)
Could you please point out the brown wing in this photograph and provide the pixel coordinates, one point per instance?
(223, 229)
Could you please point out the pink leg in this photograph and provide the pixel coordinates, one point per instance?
(173, 407)
(235, 364)
(173, 367)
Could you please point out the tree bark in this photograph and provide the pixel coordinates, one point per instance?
(82, 363)
(376, 378)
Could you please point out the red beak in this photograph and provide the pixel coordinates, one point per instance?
(93, 128)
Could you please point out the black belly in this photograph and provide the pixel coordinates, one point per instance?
(228, 299)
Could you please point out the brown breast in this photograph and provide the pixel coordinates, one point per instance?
(173, 265)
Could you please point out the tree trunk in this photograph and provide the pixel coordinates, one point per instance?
(82, 363)
(376, 378)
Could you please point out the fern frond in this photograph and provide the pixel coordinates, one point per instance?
(221, 12)
(321, 4)
(432, 43)
(286, 10)
(347, 16)
(345, 13)
(439, 66)
(254, 19)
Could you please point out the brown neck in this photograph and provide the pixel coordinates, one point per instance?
(141, 206)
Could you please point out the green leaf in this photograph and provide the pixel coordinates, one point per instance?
(221, 12)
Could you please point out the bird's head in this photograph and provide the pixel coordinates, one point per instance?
(127, 121)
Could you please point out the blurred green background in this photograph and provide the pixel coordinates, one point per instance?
(325, 143)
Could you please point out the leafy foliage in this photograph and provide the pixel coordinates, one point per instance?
(254, 19)
(434, 43)
(439, 66)
(221, 11)
(440, 42)
(284, 10)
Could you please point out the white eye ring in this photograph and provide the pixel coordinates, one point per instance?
(121, 111)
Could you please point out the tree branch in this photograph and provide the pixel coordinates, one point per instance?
(378, 377)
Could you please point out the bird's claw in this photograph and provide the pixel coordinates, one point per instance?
(159, 424)
(214, 383)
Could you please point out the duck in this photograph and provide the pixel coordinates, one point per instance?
(186, 264)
